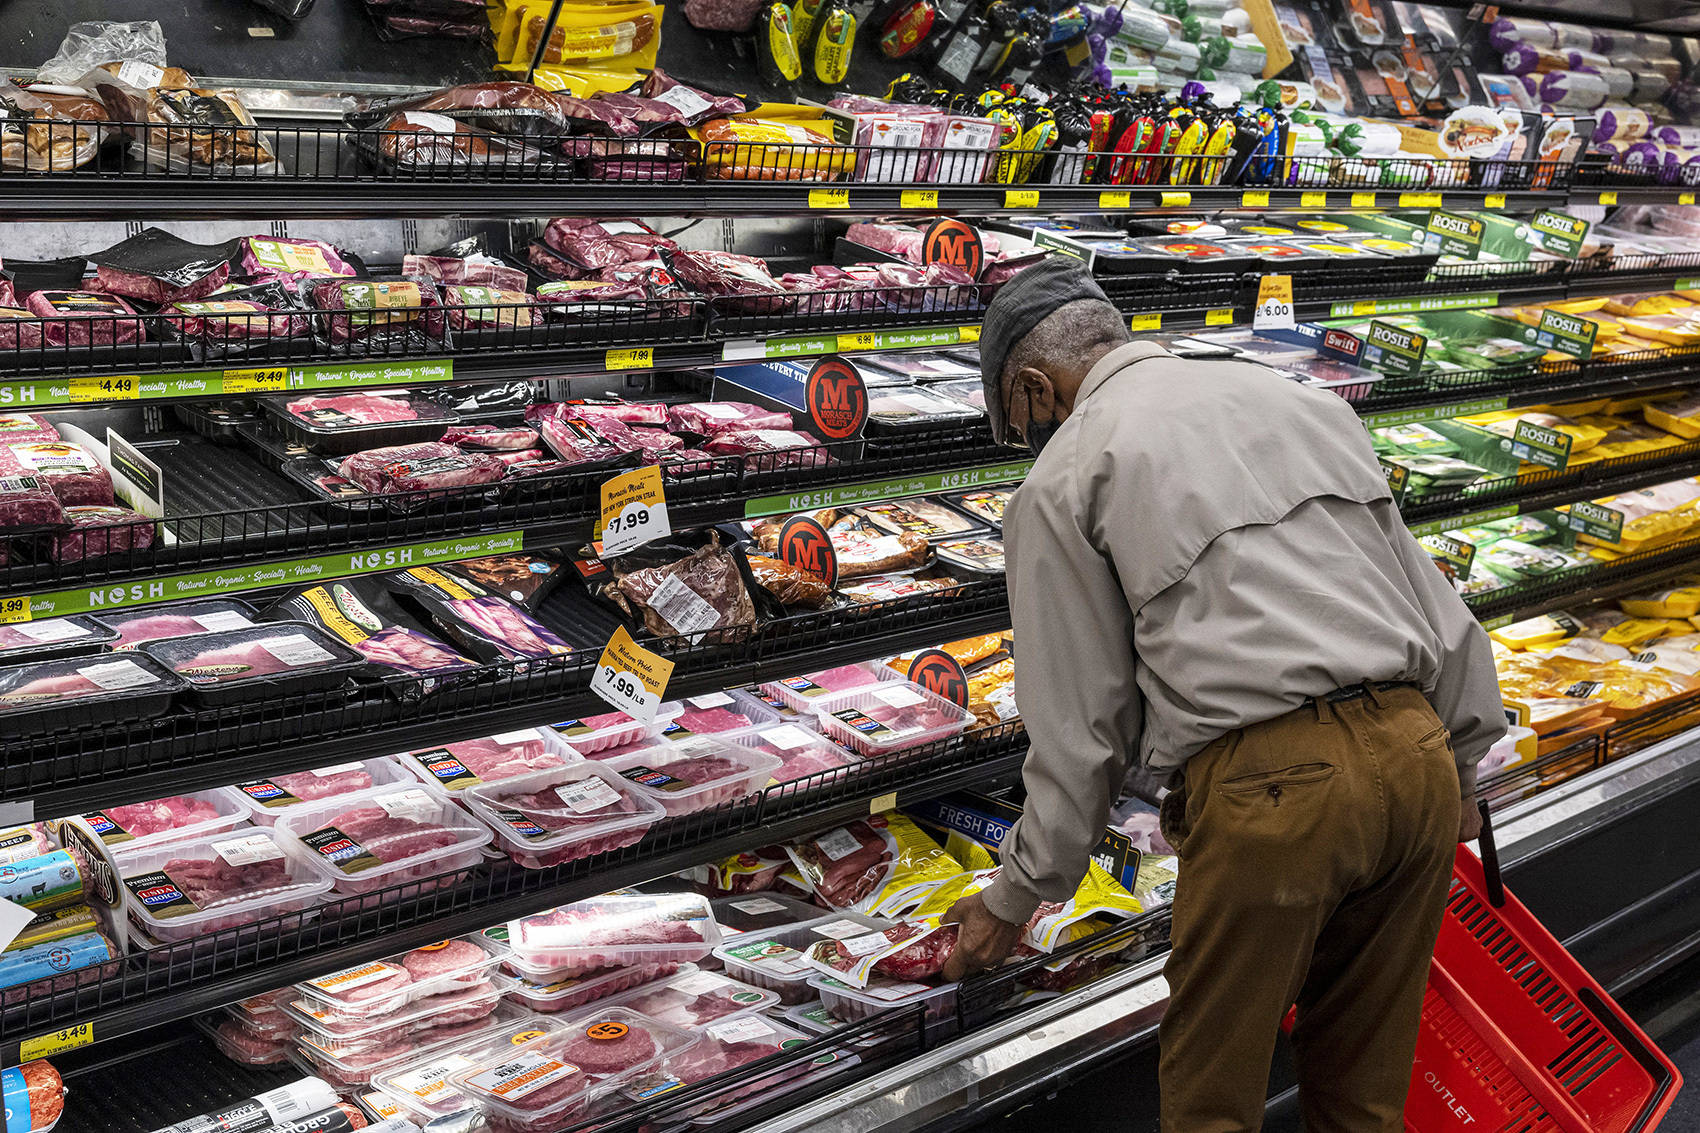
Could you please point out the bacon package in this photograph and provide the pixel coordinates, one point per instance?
(562, 814)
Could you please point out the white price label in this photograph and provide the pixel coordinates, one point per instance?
(630, 677)
(1274, 310)
(622, 689)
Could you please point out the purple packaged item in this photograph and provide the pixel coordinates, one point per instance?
(277, 257)
(1574, 90)
(474, 270)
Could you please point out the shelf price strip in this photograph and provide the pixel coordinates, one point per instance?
(631, 678)
(1475, 518)
(808, 346)
(1460, 302)
(873, 491)
(1434, 412)
(48, 393)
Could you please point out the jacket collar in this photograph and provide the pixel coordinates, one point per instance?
(1116, 360)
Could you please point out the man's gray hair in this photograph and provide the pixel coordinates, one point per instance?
(1066, 335)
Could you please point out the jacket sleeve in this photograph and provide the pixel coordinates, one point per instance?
(1466, 693)
(1074, 684)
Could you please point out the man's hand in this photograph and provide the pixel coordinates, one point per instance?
(982, 940)
(1469, 822)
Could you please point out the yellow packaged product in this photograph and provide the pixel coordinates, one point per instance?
(1679, 600)
(581, 83)
(882, 865)
(1665, 303)
(991, 694)
(772, 149)
(1628, 688)
(1539, 630)
(1673, 330)
(1678, 659)
(1635, 403)
(599, 34)
(1097, 895)
(1555, 713)
(1680, 416)
(1154, 885)
(1529, 675)
(748, 872)
(1635, 632)
(1589, 649)
(1565, 737)
(1587, 408)
(969, 651)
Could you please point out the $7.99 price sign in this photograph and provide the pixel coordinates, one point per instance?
(630, 677)
(634, 510)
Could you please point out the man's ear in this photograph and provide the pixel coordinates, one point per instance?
(1038, 386)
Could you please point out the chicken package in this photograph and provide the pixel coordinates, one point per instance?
(277, 659)
(882, 865)
(199, 129)
(558, 815)
(695, 773)
(171, 819)
(419, 467)
(97, 531)
(526, 578)
(694, 999)
(616, 930)
(711, 418)
(485, 625)
(702, 592)
(361, 613)
(770, 450)
(83, 692)
(85, 318)
(452, 768)
(377, 838)
(78, 479)
(184, 890)
(889, 717)
(927, 518)
(379, 309)
(382, 988)
(270, 798)
(289, 260)
(49, 127)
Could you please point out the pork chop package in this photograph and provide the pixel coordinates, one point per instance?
(419, 467)
(181, 619)
(97, 530)
(85, 318)
(453, 767)
(78, 479)
(337, 424)
(616, 930)
(260, 662)
(157, 267)
(545, 818)
(184, 890)
(290, 261)
(883, 865)
(373, 839)
(83, 692)
(171, 819)
(384, 987)
(695, 773)
(889, 717)
(269, 798)
(485, 625)
(702, 592)
(361, 613)
(381, 314)
(801, 753)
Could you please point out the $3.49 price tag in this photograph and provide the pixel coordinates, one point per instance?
(630, 677)
(634, 510)
(1274, 310)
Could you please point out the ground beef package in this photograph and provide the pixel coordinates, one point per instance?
(78, 479)
(101, 531)
(157, 267)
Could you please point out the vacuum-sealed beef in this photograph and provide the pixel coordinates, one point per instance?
(701, 592)
(85, 318)
(692, 105)
(290, 260)
(484, 624)
(99, 531)
(78, 479)
(410, 468)
(19, 329)
(729, 274)
(239, 315)
(491, 438)
(475, 307)
(770, 449)
(722, 15)
(157, 267)
(379, 306)
(588, 246)
(576, 441)
(420, 142)
(475, 269)
(28, 504)
(711, 418)
(501, 107)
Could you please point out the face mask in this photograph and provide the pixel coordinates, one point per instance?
(1038, 434)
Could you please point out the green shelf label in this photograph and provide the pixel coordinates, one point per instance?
(809, 346)
(1453, 551)
(1558, 232)
(1395, 351)
(1434, 412)
(1436, 526)
(1689, 283)
(1596, 520)
(1459, 235)
(259, 576)
(1460, 302)
(1540, 445)
(1398, 479)
(1566, 334)
(874, 491)
(1497, 623)
(49, 393)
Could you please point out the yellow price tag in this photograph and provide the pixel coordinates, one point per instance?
(1274, 310)
(1685, 198)
(269, 379)
(1254, 199)
(1151, 320)
(919, 198)
(1363, 200)
(1363, 307)
(968, 334)
(881, 803)
(1495, 201)
(106, 389)
(1021, 198)
(1419, 200)
(15, 609)
(829, 198)
(866, 340)
(1115, 199)
(1313, 200)
(1174, 200)
(1608, 198)
(634, 510)
(639, 358)
(46, 1046)
(1219, 317)
(630, 677)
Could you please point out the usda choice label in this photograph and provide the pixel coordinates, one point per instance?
(258, 576)
(1558, 232)
(1458, 235)
(1394, 351)
(1540, 445)
(1596, 520)
(1566, 334)
(1454, 552)
(875, 490)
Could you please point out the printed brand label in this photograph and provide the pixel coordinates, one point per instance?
(756, 906)
(448, 771)
(656, 780)
(899, 695)
(709, 700)
(160, 895)
(115, 676)
(340, 850)
(743, 1029)
(839, 930)
(346, 980)
(525, 1073)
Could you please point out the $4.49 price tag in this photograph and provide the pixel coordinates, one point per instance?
(634, 510)
(1274, 310)
(630, 677)
(105, 389)
(15, 609)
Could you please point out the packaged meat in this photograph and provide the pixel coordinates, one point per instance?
(757, 149)
(924, 517)
(418, 467)
(77, 478)
(16, 428)
(182, 619)
(578, 442)
(569, 994)
(882, 865)
(802, 693)
(28, 841)
(901, 409)
(159, 268)
(692, 999)
(485, 625)
(97, 531)
(341, 424)
(711, 418)
(418, 143)
(361, 613)
(773, 958)
(233, 144)
(716, 713)
(789, 585)
(615, 930)
(380, 989)
(801, 753)
(276, 659)
(376, 838)
(27, 503)
(524, 578)
(186, 890)
(474, 270)
(987, 504)
(770, 450)
(738, 914)
(863, 550)
(381, 309)
(595, 736)
(883, 993)
(751, 871)
(977, 556)
(261, 1018)
(290, 260)
(345, 1033)
(906, 950)
(758, 696)
(360, 1063)
(562, 814)
(20, 329)
(890, 717)
(242, 1046)
(83, 692)
(474, 307)
(587, 246)
(695, 773)
(491, 438)
(420, 1088)
(85, 318)
(270, 798)
(727, 1045)
(452, 768)
(69, 636)
(175, 818)
(536, 1085)
(702, 592)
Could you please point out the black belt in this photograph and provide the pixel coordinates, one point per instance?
(1353, 692)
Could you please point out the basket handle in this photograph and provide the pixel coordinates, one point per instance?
(1490, 858)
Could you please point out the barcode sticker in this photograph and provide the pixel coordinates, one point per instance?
(413, 804)
(297, 649)
(709, 700)
(744, 1029)
(788, 737)
(865, 945)
(900, 696)
(587, 795)
(756, 906)
(838, 844)
(839, 930)
(117, 675)
(252, 850)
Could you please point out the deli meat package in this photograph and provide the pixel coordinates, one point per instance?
(182, 890)
(561, 814)
(376, 838)
(361, 613)
(466, 763)
(882, 865)
(616, 930)
(702, 592)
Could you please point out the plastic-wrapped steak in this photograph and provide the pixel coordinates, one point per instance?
(85, 318)
(475, 269)
(241, 315)
(701, 592)
(368, 307)
(157, 267)
(431, 143)
(411, 468)
(99, 531)
(290, 260)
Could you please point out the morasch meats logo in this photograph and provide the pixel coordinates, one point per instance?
(940, 674)
(804, 544)
(950, 241)
(836, 398)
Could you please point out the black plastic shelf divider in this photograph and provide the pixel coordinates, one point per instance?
(176, 980)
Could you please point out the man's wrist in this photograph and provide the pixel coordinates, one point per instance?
(1467, 782)
(1008, 901)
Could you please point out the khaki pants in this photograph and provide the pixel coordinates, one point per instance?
(1315, 854)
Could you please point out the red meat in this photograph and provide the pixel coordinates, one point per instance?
(490, 438)
(711, 418)
(451, 956)
(85, 318)
(19, 428)
(97, 531)
(213, 882)
(152, 627)
(233, 662)
(137, 285)
(72, 474)
(490, 760)
(389, 838)
(408, 468)
(842, 881)
(363, 408)
(682, 1009)
(711, 720)
(769, 450)
(800, 763)
(448, 270)
(382, 988)
(578, 442)
(311, 785)
(141, 820)
(239, 1044)
(711, 1056)
(536, 995)
(523, 459)
(599, 1057)
(26, 502)
(921, 960)
(19, 329)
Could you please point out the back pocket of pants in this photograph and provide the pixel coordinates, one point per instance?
(1273, 782)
